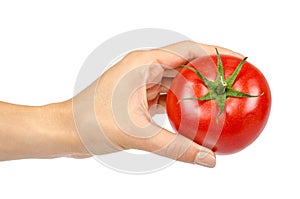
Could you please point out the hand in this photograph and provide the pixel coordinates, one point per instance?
(115, 112)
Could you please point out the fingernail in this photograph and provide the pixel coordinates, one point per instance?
(205, 157)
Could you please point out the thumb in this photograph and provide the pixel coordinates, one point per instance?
(178, 147)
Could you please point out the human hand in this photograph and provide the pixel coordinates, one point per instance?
(115, 112)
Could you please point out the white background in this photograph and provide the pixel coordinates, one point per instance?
(43, 45)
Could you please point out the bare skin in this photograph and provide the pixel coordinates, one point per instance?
(51, 131)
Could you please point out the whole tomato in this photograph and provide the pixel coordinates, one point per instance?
(219, 101)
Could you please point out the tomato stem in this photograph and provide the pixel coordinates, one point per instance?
(221, 88)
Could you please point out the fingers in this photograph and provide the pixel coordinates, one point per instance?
(157, 105)
(211, 50)
(161, 87)
(175, 55)
(172, 57)
(157, 96)
(177, 147)
(171, 73)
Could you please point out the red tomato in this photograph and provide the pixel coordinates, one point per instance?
(226, 128)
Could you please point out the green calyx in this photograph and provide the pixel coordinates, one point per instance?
(221, 88)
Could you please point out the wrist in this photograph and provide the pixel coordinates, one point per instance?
(38, 132)
(61, 121)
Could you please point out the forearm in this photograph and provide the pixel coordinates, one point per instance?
(38, 132)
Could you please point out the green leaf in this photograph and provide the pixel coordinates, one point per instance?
(234, 93)
(220, 77)
(230, 81)
(221, 101)
(208, 96)
(204, 79)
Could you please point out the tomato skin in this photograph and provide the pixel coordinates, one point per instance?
(243, 119)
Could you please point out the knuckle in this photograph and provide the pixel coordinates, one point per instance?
(135, 54)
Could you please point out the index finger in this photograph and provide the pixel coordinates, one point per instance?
(175, 55)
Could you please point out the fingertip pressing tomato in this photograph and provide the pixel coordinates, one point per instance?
(220, 101)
